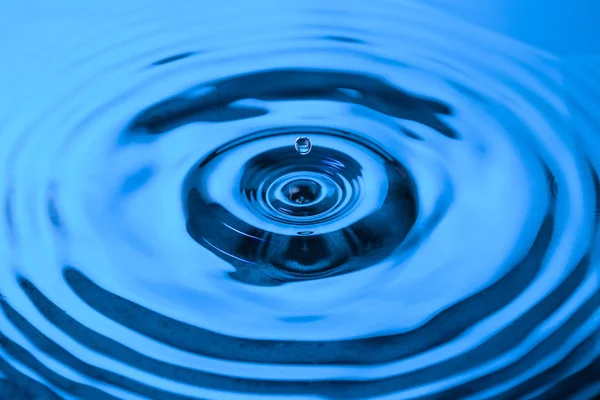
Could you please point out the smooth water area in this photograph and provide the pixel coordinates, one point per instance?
(296, 200)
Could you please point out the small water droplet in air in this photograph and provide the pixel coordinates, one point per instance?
(303, 145)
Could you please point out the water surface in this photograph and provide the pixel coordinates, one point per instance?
(161, 237)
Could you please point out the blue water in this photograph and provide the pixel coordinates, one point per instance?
(163, 236)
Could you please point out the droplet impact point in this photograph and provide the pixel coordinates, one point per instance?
(303, 145)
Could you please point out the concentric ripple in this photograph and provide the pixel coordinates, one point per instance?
(163, 236)
(284, 217)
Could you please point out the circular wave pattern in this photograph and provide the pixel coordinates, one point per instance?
(163, 238)
(285, 216)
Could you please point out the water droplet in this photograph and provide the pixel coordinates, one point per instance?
(303, 145)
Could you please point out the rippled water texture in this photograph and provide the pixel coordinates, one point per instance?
(162, 237)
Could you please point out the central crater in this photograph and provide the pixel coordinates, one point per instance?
(318, 187)
(279, 216)
(302, 191)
